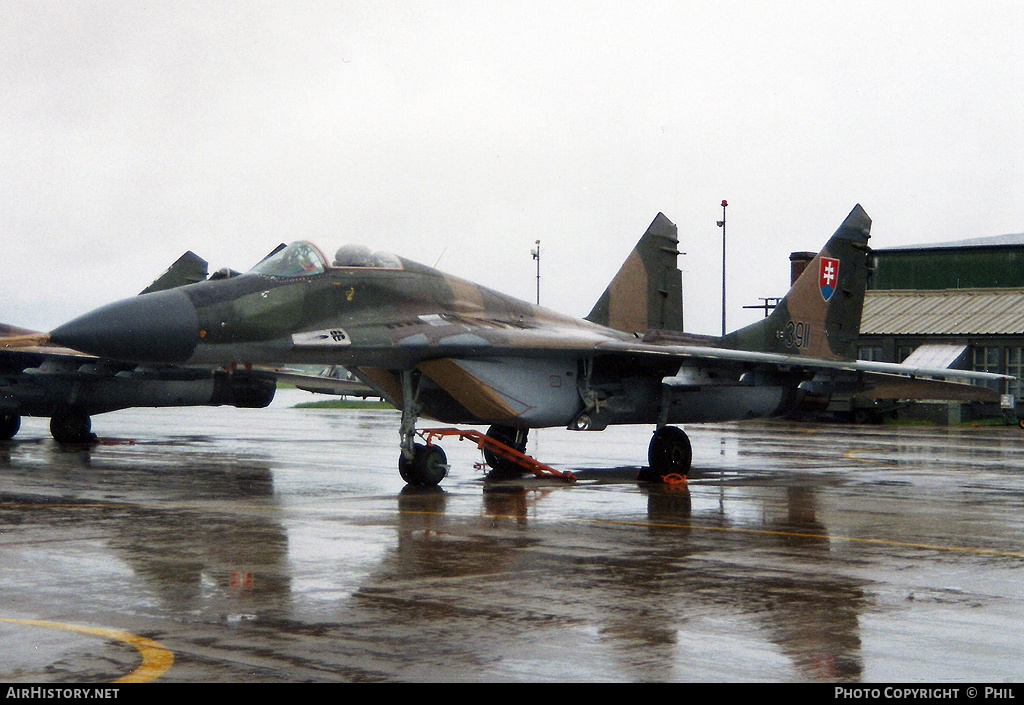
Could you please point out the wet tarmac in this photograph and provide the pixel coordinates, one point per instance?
(281, 545)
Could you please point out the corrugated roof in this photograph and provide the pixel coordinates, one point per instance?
(1011, 240)
(943, 312)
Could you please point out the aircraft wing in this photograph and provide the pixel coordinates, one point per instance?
(877, 379)
(688, 353)
(485, 339)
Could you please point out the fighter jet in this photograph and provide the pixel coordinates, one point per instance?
(442, 347)
(39, 378)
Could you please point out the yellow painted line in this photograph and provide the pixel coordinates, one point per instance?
(156, 660)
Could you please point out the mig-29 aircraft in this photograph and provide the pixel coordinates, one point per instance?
(38, 378)
(438, 346)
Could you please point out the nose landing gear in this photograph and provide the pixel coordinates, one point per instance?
(418, 464)
(427, 466)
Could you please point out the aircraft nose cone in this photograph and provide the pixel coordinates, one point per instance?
(157, 327)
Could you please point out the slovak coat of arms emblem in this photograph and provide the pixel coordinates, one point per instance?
(828, 276)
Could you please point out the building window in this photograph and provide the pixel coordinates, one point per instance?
(870, 352)
(1015, 367)
(986, 359)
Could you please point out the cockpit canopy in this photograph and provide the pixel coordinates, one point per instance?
(303, 259)
(363, 256)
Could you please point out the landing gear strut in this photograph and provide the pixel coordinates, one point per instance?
(669, 454)
(419, 464)
(426, 464)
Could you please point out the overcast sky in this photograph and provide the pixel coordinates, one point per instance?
(458, 133)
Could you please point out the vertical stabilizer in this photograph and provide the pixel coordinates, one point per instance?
(647, 292)
(188, 269)
(820, 316)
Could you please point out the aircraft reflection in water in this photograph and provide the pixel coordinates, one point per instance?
(641, 605)
(629, 606)
(442, 347)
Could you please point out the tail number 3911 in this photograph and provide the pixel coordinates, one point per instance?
(797, 335)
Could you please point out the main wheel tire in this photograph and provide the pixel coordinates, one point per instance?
(427, 467)
(514, 438)
(9, 425)
(71, 426)
(669, 453)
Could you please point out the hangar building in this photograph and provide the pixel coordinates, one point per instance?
(957, 304)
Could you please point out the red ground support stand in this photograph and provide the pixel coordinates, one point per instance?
(497, 447)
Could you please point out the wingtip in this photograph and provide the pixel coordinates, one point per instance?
(17, 342)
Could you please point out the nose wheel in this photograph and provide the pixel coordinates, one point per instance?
(427, 466)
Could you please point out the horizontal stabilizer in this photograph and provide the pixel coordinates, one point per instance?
(884, 386)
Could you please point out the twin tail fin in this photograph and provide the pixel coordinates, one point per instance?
(820, 316)
(647, 292)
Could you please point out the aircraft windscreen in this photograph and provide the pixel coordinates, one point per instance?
(299, 259)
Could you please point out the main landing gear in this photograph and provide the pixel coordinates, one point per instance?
(71, 426)
(668, 455)
(9, 425)
(503, 467)
(66, 426)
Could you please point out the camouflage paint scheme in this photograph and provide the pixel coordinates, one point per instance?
(38, 378)
(805, 322)
(439, 346)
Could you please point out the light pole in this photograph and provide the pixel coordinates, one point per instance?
(721, 224)
(536, 255)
